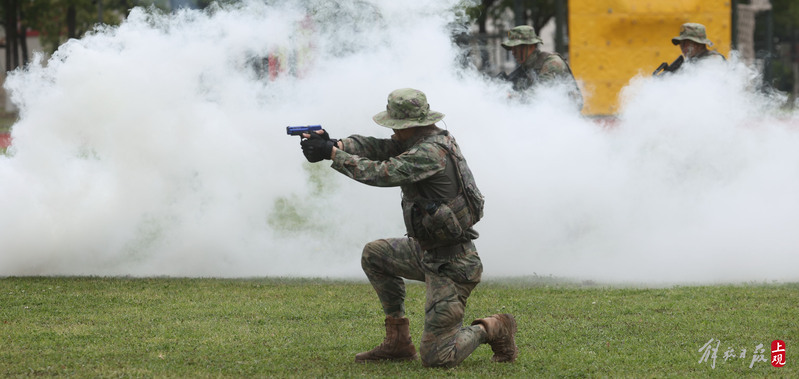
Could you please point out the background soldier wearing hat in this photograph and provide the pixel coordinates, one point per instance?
(535, 65)
(438, 196)
(694, 46)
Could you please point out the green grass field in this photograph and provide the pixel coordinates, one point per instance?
(162, 327)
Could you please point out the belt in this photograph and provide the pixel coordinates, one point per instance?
(452, 250)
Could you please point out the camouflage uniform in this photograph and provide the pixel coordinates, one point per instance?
(450, 275)
(707, 54)
(420, 166)
(541, 66)
(440, 204)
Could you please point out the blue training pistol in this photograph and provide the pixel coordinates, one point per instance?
(300, 130)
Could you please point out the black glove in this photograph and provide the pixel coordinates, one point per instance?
(317, 148)
(326, 137)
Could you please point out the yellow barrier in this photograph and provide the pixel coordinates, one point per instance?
(612, 41)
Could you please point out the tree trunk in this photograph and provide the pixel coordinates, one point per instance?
(540, 13)
(7, 26)
(23, 37)
(12, 54)
(483, 17)
(795, 92)
(71, 21)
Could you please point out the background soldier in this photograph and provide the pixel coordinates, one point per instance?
(694, 43)
(694, 46)
(535, 65)
(438, 193)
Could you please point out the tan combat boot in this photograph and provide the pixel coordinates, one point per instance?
(500, 330)
(396, 347)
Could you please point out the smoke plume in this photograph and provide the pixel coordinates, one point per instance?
(158, 148)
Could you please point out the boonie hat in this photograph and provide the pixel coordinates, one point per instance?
(407, 108)
(692, 32)
(521, 35)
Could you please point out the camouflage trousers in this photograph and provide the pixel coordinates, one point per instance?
(450, 280)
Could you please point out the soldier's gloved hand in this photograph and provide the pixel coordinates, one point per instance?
(310, 154)
(326, 137)
(322, 133)
(316, 148)
(311, 151)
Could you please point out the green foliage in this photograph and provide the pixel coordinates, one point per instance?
(50, 17)
(785, 23)
(782, 76)
(534, 12)
(159, 327)
(786, 18)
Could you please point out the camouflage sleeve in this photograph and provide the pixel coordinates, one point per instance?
(370, 147)
(554, 67)
(418, 163)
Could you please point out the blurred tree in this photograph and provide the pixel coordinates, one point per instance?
(58, 20)
(525, 12)
(782, 53)
(786, 18)
(14, 42)
(480, 15)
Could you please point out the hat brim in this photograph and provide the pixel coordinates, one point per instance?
(511, 44)
(676, 40)
(383, 119)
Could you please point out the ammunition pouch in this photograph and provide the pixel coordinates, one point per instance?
(435, 223)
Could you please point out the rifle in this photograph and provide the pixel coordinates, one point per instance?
(520, 78)
(519, 71)
(665, 67)
(300, 130)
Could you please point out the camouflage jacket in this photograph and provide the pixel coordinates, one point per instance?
(706, 55)
(421, 167)
(389, 163)
(541, 67)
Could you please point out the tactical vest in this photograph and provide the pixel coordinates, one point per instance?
(444, 222)
(708, 54)
(526, 76)
(538, 64)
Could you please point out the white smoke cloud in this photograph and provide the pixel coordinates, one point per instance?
(159, 148)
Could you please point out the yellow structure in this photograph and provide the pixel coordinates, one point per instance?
(612, 41)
